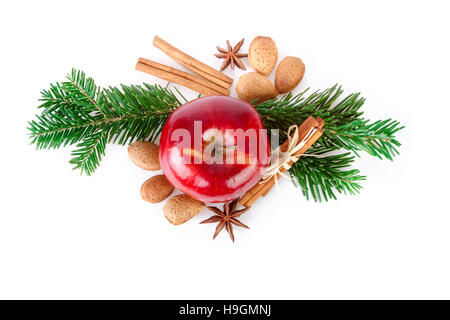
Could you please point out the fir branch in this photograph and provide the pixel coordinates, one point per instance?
(376, 138)
(282, 113)
(89, 152)
(344, 126)
(78, 112)
(319, 177)
(84, 91)
(319, 174)
(55, 98)
(61, 127)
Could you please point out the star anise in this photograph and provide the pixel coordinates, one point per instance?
(226, 218)
(231, 56)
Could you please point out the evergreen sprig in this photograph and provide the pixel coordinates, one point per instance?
(78, 112)
(345, 128)
(320, 174)
(281, 113)
(376, 138)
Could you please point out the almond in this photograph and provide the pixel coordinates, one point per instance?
(181, 208)
(290, 72)
(263, 55)
(253, 86)
(156, 189)
(144, 155)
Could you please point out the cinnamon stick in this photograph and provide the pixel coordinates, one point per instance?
(262, 189)
(186, 75)
(190, 62)
(303, 130)
(206, 75)
(172, 77)
(310, 142)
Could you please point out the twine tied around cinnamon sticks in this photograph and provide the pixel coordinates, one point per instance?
(307, 134)
(282, 161)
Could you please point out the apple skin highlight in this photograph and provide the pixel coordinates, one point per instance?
(183, 159)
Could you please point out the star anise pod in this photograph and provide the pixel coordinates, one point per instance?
(226, 218)
(231, 56)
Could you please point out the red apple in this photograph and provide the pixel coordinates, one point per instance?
(214, 148)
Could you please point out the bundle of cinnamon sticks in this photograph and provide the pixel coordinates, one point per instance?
(263, 187)
(208, 82)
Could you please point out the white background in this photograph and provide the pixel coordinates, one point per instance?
(63, 235)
